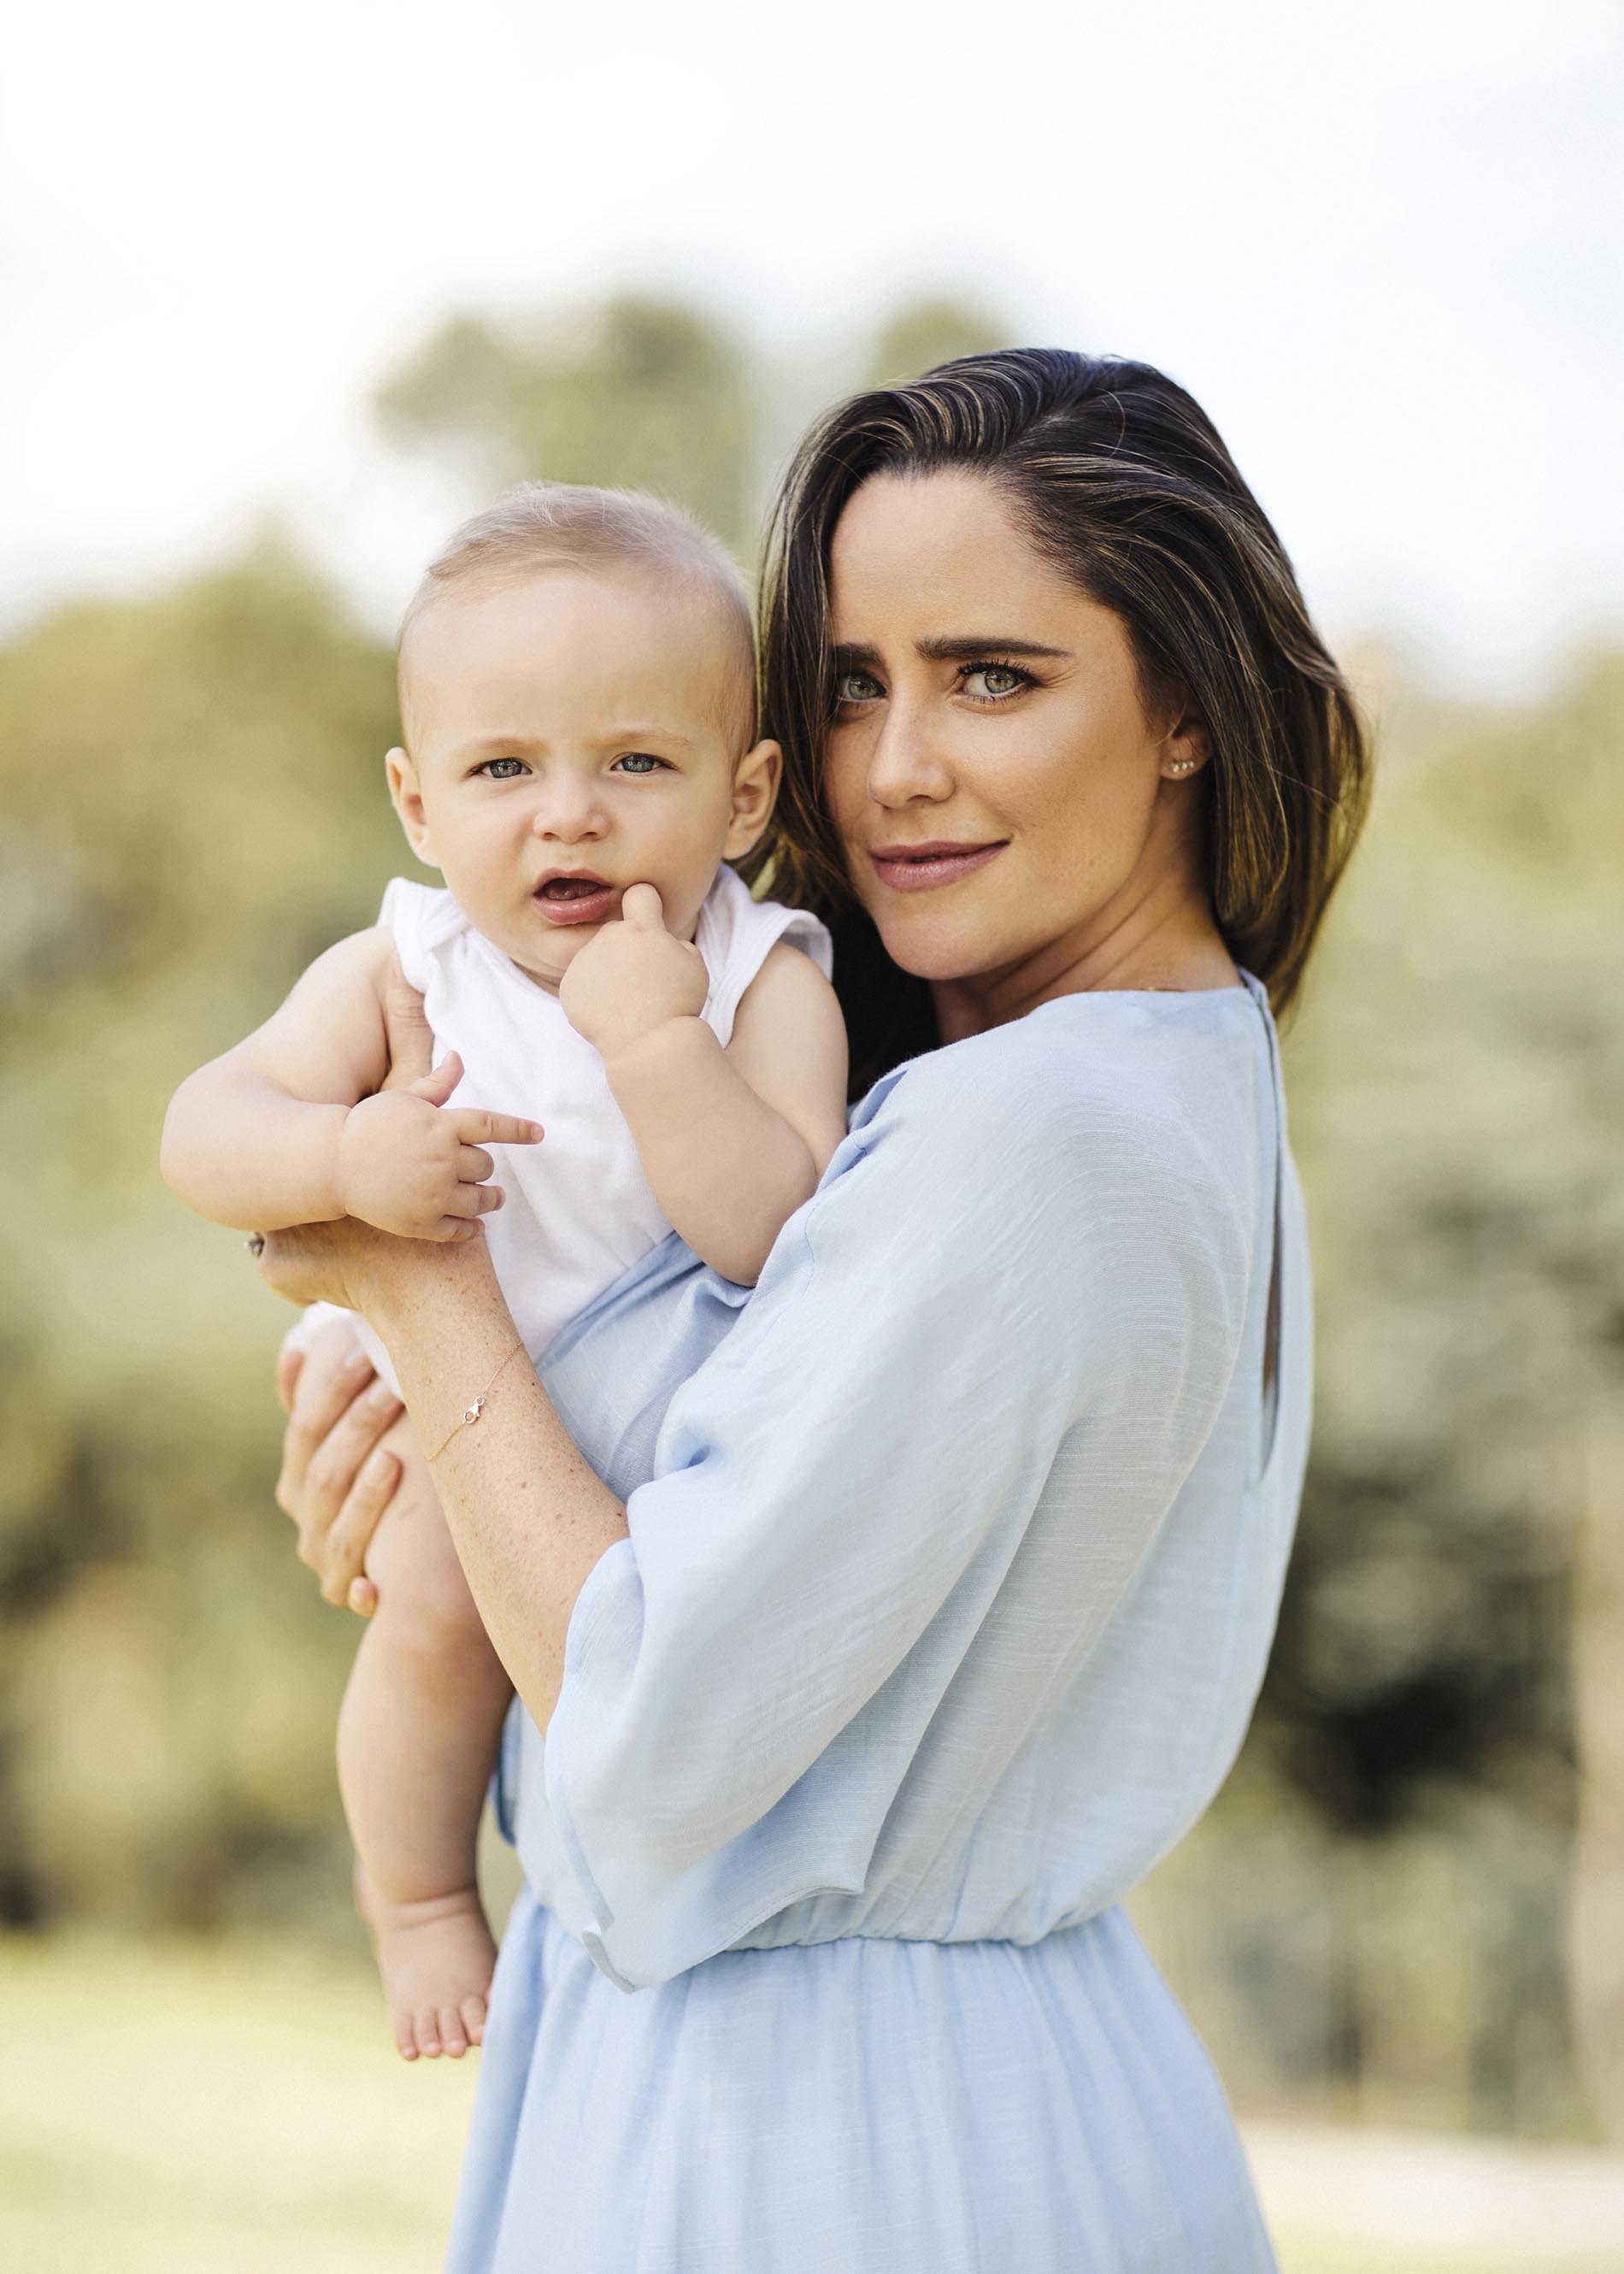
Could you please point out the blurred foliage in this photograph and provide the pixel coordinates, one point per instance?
(192, 786)
(929, 332)
(644, 393)
(661, 395)
(1388, 1908)
(1393, 1870)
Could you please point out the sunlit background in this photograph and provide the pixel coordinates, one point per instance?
(289, 291)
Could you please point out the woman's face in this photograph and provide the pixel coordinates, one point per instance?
(1009, 809)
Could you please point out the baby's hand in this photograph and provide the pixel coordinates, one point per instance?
(410, 1164)
(632, 977)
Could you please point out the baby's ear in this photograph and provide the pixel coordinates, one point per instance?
(755, 792)
(407, 799)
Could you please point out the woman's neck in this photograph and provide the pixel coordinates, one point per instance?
(1165, 941)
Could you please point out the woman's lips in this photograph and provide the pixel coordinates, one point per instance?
(574, 899)
(917, 868)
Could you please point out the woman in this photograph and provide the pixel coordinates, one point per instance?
(927, 1612)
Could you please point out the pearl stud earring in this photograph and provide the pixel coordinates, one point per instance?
(1182, 766)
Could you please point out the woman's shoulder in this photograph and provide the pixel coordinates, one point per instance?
(1136, 1073)
(1100, 1156)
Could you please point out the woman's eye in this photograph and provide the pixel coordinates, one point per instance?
(857, 687)
(502, 769)
(998, 681)
(638, 762)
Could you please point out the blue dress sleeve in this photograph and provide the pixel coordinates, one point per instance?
(995, 1276)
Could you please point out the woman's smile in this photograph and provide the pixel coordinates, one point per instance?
(919, 868)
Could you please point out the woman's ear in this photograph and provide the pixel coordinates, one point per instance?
(1186, 749)
(407, 799)
(755, 792)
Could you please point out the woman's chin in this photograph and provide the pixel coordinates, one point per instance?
(933, 947)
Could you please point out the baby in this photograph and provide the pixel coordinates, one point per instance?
(578, 761)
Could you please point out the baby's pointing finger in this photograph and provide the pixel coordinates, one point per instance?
(476, 1127)
(641, 908)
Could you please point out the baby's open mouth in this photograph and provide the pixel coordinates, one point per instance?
(574, 899)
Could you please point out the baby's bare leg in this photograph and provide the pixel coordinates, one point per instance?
(415, 1740)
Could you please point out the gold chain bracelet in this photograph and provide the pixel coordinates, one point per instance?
(470, 1414)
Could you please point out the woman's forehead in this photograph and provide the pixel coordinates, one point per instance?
(944, 554)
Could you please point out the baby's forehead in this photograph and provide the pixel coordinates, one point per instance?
(646, 618)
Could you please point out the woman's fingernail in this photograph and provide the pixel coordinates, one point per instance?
(380, 1397)
(357, 1362)
(379, 1469)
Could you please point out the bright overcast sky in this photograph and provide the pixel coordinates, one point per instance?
(1380, 241)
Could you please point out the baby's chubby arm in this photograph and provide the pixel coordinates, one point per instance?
(293, 1126)
(732, 1140)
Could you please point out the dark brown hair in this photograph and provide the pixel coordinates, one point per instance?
(1123, 482)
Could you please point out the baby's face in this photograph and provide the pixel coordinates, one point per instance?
(569, 736)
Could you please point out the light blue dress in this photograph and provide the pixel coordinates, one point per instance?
(954, 1558)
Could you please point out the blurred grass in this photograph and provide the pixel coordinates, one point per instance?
(182, 2107)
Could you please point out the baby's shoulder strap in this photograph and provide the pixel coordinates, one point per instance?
(736, 935)
(421, 918)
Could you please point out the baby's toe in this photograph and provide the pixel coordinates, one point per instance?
(426, 2028)
(406, 2036)
(473, 2020)
(453, 2037)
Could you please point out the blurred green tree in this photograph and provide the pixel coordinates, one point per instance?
(638, 394)
(924, 333)
(1457, 1087)
(194, 801)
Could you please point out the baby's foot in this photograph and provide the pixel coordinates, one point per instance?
(436, 1958)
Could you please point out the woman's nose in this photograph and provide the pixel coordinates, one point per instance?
(906, 764)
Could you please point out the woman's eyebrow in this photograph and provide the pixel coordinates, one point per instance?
(970, 647)
(949, 647)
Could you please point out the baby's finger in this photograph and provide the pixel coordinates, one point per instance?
(641, 908)
(452, 1228)
(474, 1199)
(476, 1127)
(437, 1085)
(474, 1166)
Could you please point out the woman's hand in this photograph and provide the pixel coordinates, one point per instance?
(335, 1480)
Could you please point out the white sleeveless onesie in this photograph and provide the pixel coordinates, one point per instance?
(579, 1210)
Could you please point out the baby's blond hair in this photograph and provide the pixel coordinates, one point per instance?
(567, 525)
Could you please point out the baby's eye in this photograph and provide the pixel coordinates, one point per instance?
(998, 681)
(639, 761)
(857, 687)
(502, 769)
